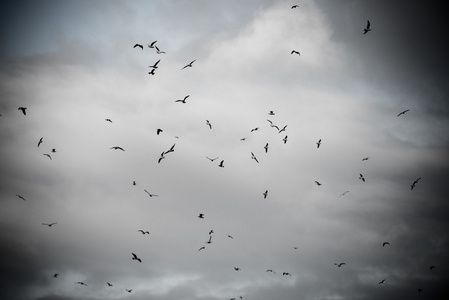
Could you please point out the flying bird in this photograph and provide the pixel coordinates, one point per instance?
(271, 113)
(285, 140)
(201, 248)
(189, 65)
(138, 45)
(339, 264)
(158, 51)
(117, 148)
(266, 148)
(129, 291)
(20, 197)
(53, 150)
(269, 270)
(432, 267)
(40, 141)
(149, 194)
(143, 232)
(48, 155)
(254, 157)
(283, 129)
(365, 158)
(286, 273)
(265, 194)
(183, 100)
(81, 283)
(23, 109)
(382, 281)
(318, 144)
(152, 72)
(152, 44)
(221, 164)
(135, 257)
(230, 236)
(49, 224)
(210, 240)
(56, 275)
(385, 243)
(255, 129)
(272, 125)
(109, 284)
(367, 27)
(317, 183)
(208, 124)
(172, 149)
(134, 182)
(158, 131)
(237, 269)
(295, 52)
(414, 183)
(295, 6)
(108, 120)
(344, 193)
(211, 159)
(201, 216)
(361, 177)
(154, 66)
(210, 232)
(161, 158)
(403, 112)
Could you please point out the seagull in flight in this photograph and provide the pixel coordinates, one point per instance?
(49, 224)
(135, 257)
(317, 183)
(143, 232)
(48, 155)
(149, 194)
(414, 183)
(255, 129)
(265, 194)
(56, 275)
(20, 197)
(254, 157)
(40, 141)
(81, 283)
(53, 150)
(339, 264)
(344, 193)
(237, 269)
(285, 139)
(283, 129)
(432, 267)
(365, 158)
(295, 6)
(109, 284)
(361, 177)
(208, 124)
(403, 112)
(108, 120)
(367, 27)
(158, 131)
(211, 159)
(210, 240)
(152, 72)
(152, 44)
(117, 148)
(201, 248)
(272, 125)
(318, 143)
(385, 243)
(230, 236)
(23, 109)
(189, 65)
(183, 100)
(154, 66)
(295, 52)
(271, 113)
(129, 291)
(201, 216)
(382, 281)
(221, 164)
(138, 45)
(266, 148)
(158, 51)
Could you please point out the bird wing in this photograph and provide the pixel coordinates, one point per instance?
(368, 24)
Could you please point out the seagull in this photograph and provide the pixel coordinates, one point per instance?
(151, 72)
(138, 45)
(414, 183)
(158, 51)
(108, 120)
(296, 248)
(20, 197)
(201, 216)
(254, 157)
(286, 273)
(295, 6)
(365, 158)
(46, 154)
(109, 284)
(152, 44)
(339, 264)
(210, 240)
(344, 193)
(117, 148)
(135, 257)
(295, 52)
(255, 129)
(237, 269)
(155, 65)
(50, 224)
(230, 236)
(432, 267)
(269, 270)
(158, 131)
(272, 125)
(283, 129)
(172, 149)
(403, 112)
(79, 282)
(243, 139)
(208, 124)
(23, 109)
(143, 232)
(40, 141)
(129, 291)
(151, 195)
(385, 243)
(285, 140)
(419, 290)
(271, 113)
(221, 164)
(161, 158)
(201, 248)
(183, 100)
(189, 65)
(265, 194)
(317, 183)
(266, 148)
(367, 27)
(211, 159)
(318, 143)
(56, 275)
(382, 281)
(53, 150)
(361, 177)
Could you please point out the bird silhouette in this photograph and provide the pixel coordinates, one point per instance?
(49, 224)
(382, 281)
(154, 66)
(161, 158)
(344, 193)
(367, 28)
(81, 283)
(152, 72)
(53, 150)
(56, 275)
(230, 236)
(149, 194)
(254, 157)
(158, 131)
(285, 139)
(318, 144)
(109, 284)
(210, 232)
(129, 291)
(135, 257)
(23, 109)
(201, 248)
(210, 240)
(117, 148)
(189, 64)
(269, 270)
(255, 129)
(158, 51)
(172, 149)
(211, 159)
(48, 155)
(266, 148)
(317, 183)
(152, 44)
(403, 112)
(283, 128)
(365, 158)
(271, 113)
(134, 182)
(138, 45)
(183, 100)
(362, 178)
(40, 141)
(201, 216)
(237, 269)
(265, 194)
(432, 267)
(21, 197)
(108, 120)
(272, 125)
(295, 6)
(221, 164)
(143, 232)
(339, 264)
(419, 290)
(414, 183)
(286, 274)
(295, 52)
(385, 243)
(208, 124)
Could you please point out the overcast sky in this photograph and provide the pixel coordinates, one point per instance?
(72, 64)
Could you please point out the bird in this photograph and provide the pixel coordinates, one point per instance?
(46, 154)
(285, 139)
(286, 273)
(183, 100)
(109, 284)
(339, 264)
(49, 224)
(201, 216)
(272, 125)
(419, 290)
(81, 283)
(365, 158)
(158, 131)
(40, 141)
(53, 150)
(129, 291)
(295, 52)
(283, 129)
(432, 267)
(382, 281)
(155, 65)
(254, 157)
(134, 182)
(152, 44)
(317, 183)
(143, 232)
(56, 275)
(149, 194)
(189, 64)
(295, 6)
(318, 144)
(271, 113)
(403, 112)
(344, 193)
(414, 183)
(243, 139)
(210, 240)
(23, 109)
(210, 232)
(161, 158)
(211, 159)
(151, 72)
(221, 164)
(230, 236)
(385, 243)
(367, 27)
(158, 51)
(237, 269)
(265, 194)
(135, 257)
(361, 177)
(255, 129)
(269, 270)
(108, 120)
(117, 148)
(138, 45)
(208, 124)
(172, 149)
(201, 248)
(266, 148)
(20, 197)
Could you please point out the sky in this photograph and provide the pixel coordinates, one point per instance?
(73, 65)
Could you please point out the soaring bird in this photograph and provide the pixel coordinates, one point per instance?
(135, 257)
(152, 72)
(152, 44)
(210, 232)
(189, 65)
(414, 183)
(237, 269)
(230, 236)
(134, 182)
(432, 267)
(271, 113)
(317, 183)
(56, 275)
(254, 157)
(210, 240)
(367, 27)
(158, 51)
(109, 284)
(40, 141)
(243, 139)
(382, 281)
(49, 224)
(361, 177)
(158, 131)
(201, 216)
(285, 139)
(149, 194)
(269, 270)
(129, 291)
(255, 129)
(385, 243)
(183, 100)
(23, 109)
(344, 193)
(172, 149)
(154, 66)
(138, 45)
(295, 6)
(117, 148)
(221, 164)
(365, 158)
(272, 125)
(403, 112)
(161, 158)
(266, 148)
(265, 194)
(144, 232)
(339, 264)
(20, 197)
(208, 124)
(286, 273)
(295, 52)
(201, 248)
(211, 159)
(81, 283)
(108, 120)
(48, 155)
(53, 150)
(318, 143)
